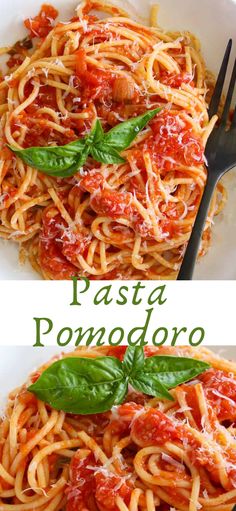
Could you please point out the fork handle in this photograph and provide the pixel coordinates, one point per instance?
(190, 256)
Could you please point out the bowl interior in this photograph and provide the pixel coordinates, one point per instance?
(213, 22)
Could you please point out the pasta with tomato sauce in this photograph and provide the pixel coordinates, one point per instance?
(146, 454)
(108, 221)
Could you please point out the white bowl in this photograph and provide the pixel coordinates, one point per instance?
(213, 22)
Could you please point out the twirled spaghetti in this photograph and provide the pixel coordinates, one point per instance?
(131, 220)
(146, 454)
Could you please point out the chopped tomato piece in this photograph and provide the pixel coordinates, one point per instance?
(174, 142)
(119, 204)
(111, 203)
(95, 77)
(82, 482)
(87, 483)
(95, 83)
(15, 60)
(117, 351)
(60, 245)
(220, 390)
(80, 65)
(51, 257)
(127, 411)
(176, 79)
(40, 25)
(108, 487)
(35, 376)
(92, 182)
(152, 427)
(192, 402)
(122, 418)
(75, 243)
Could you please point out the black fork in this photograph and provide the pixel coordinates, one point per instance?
(221, 157)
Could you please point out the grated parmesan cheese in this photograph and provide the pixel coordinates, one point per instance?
(172, 461)
(222, 396)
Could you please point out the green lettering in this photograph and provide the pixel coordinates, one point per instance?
(60, 334)
(75, 289)
(165, 337)
(104, 291)
(136, 288)
(159, 291)
(91, 336)
(121, 337)
(39, 322)
(201, 333)
(176, 334)
(141, 339)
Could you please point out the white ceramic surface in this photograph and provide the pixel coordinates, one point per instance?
(18, 362)
(213, 21)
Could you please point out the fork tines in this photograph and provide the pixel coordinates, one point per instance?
(215, 100)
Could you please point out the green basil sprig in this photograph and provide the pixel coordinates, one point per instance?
(93, 385)
(64, 161)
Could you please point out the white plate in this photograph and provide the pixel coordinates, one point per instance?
(213, 21)
(17, 363)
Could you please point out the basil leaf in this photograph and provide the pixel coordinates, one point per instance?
(150, 384)
(97, 132)
(173, 371)
(133, 360)
(61, 161)
(64, 161)
(75, 146)
(82, 385)
(105, 154)
(121, 136)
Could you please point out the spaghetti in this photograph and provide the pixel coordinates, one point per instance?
(126, 221)
(146, 454)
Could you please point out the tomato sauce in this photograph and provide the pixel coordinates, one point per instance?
(27, 398)
(171, 143)
(203, 457)
(4, 485)
(220, 392)
(149, 426)
(45, 98)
